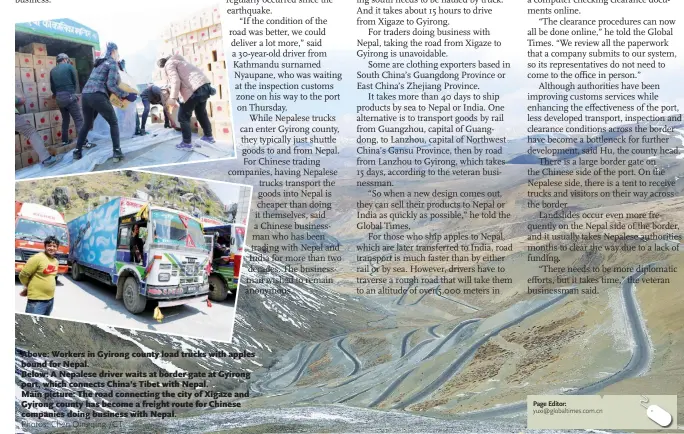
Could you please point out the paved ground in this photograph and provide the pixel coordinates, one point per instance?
(92, 302)
(165, 153)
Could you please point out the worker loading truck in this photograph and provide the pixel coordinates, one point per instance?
(148, 253)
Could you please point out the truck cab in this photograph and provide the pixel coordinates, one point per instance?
(160, 255)
(32, 224)
(228, 244)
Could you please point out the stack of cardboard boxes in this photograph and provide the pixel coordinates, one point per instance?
(32, 82)
(199, 40)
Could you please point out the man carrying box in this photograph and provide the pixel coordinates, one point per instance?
(103, 81)
(63, 86)
(152, 95)
(27, 130)
(190, 83)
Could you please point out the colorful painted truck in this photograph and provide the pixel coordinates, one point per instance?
(168, 264)
(228, 243)
(32, 224)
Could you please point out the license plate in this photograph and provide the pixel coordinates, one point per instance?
(192, 289)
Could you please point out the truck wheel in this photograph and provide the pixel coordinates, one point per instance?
(134, 302)
(217, 289)
(76, 272)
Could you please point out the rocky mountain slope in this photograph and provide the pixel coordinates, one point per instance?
(74, 195)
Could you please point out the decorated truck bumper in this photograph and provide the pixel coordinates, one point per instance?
(156, 292)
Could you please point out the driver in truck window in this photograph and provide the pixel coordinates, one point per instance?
(136, 245)
(220, 249)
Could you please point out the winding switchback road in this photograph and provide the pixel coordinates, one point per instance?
(451, 334)
(460, 361)
(350, 356)
(637, 364)
(404, 342)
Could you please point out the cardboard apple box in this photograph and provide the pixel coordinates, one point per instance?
(47, 104)
(56, 118)
(26, 60)
(57, 137)
(44, 89)
(25, 143)
(215, 31)
(27, 75)
(220, 76)
(30, 90)
(220, 110)
(31, 105)
(29, 158)
(191, 38)
(40, 61)
(203, 34)
(42, 120)
(35, 48)
(221, 130)
(196, 59)
(118, 102)
(42, 75)
(46, 136)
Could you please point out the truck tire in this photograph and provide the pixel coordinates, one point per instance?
(217, 288)
(76, 272)
(134, 302)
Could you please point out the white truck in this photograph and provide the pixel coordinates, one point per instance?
(168, 262)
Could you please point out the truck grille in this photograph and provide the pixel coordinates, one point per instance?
(191, 268)
(26, 254)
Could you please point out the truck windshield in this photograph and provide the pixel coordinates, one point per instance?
(170, 229)
(35, 231)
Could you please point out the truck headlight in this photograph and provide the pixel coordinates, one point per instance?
(17, 257)
(164, 277)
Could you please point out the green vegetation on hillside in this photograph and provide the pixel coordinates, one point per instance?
(74, 195)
